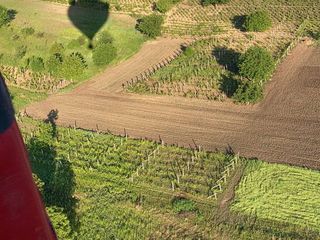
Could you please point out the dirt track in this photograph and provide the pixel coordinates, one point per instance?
(285, 127)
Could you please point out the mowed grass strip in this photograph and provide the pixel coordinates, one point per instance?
(281, 193)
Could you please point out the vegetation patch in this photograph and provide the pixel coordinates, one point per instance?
(259, 21)
(164, 6)
(150, 25)
(279, 193)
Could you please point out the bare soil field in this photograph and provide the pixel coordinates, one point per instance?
(284, 128)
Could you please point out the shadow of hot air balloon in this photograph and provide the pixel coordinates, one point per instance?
(88, 16)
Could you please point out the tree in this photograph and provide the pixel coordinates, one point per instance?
(256, 64)
(56, 48)
(248, 92)
(54, 63)
(257, 22)
(208, 2)
(104, 54)
(165, 5)
(73, 65)
(103, 38)
(150, 25)
(4, 16)
(36, 64)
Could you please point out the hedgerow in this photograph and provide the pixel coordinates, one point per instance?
(208, 2)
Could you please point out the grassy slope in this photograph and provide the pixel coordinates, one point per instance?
(281, 193)
(22, 98)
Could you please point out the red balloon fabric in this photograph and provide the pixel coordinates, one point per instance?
(22, 213)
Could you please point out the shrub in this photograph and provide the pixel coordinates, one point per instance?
(27, 31)
(103, 38)
(150, 25)
(36, 64)
(56, 48)
(181, 205)
(257, 22)
(256, 64)
(165, 5)
(208, 2)
(4, 16)
(74, 44)
(60, 222)
(73, 65)
(20, 52)
(188, 52)
(104, 54)
(82, 40)
(53, 64)
(248, 92)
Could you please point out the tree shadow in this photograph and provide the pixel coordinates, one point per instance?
(52, 117)
(229, 85)
(56, 173)
(238, 22)
(89, 17)
(227, 57)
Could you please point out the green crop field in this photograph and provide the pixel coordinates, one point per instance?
(208, 69)
(106, 187)
(280, 193)
(102, 186)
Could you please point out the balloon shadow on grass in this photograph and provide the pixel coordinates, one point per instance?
(89, 17)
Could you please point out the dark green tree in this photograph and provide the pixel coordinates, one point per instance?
(256, 64)
(54, 63)
(104, 54)
(36, 64)
(150, 25)
(73, 66)
(257, 22)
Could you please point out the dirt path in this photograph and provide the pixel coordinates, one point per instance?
(285, 127)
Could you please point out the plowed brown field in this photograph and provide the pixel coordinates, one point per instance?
(285, 127)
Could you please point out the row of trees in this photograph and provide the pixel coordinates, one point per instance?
(70, 65)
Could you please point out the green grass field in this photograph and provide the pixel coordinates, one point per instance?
(22, 98)
(280, 193)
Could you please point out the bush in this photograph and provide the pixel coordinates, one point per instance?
(103, 38)
(208, 2)
(36, 64)
(104, 54)
(165, 5)
(248, 92)
(54, 63)
(150, 25)
(60, 222)
(56, 48)
(27, 31)
(73, 65)
(4, 16)
(20, 52)
(257, 22)
(256, 64)
(188, 52)
(181, 204)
